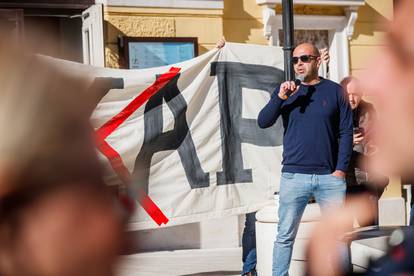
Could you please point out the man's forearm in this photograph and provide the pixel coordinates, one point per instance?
(269, 114)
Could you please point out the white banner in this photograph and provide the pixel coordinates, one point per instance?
(187, 135)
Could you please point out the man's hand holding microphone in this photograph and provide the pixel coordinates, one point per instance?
(288, 88)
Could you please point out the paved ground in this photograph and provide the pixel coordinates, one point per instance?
(205, 262)
(371, 242)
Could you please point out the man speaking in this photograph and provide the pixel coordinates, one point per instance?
(317, 146)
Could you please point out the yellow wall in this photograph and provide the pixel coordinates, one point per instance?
(369, 32)
(243, 22)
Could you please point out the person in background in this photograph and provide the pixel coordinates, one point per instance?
(358, 178)
(57, 217)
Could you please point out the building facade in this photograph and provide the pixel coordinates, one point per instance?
(352, 30)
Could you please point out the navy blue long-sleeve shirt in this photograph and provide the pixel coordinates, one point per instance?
(318, 128)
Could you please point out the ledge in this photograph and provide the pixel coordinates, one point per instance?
(316, 2)
(187, 4)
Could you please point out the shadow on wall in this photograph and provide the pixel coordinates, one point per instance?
(114, 56)
(369, 21)
(237, 23)
(202, 49)
(369, 31)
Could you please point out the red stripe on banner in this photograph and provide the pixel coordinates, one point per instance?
(115, 160)
(113, 156)
(119, 167)
(152, 209)
(106, 129)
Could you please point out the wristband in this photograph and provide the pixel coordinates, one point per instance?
(284, 97)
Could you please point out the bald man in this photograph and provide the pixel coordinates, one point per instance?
(317, 147)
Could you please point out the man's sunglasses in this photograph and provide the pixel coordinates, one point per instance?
(304, 58)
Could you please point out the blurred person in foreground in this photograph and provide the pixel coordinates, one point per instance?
(56, 215)
(391, 79)
(364, 116)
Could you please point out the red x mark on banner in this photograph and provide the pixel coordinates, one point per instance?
(113, 156)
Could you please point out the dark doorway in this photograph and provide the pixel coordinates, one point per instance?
(59, 37)
(52, 28)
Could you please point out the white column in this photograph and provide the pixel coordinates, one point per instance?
(268, 14)
(339, 51)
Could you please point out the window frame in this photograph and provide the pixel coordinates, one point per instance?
(129, 39)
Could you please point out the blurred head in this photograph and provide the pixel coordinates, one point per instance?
(306, 61)
(353, 92)
(56, 215)
(390, 78)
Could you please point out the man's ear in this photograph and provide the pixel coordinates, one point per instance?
(318, 61)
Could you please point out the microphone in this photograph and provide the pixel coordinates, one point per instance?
(298, 81)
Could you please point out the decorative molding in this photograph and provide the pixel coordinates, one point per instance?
(188, 4)
(316, 2)
(268, 13)
(352, 16)
(341, 28)
(139, 26)
(314, 10)
(313, 22)
(271, 20)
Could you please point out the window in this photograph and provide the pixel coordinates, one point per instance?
(320, 38)
(154, 52)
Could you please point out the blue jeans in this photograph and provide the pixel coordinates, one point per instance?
(295, 192)
(249, 243)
